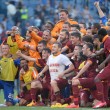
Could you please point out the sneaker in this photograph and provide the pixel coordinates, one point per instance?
(100, 104)
(64, 105)
(73, 106)
(33, 103)
(57, 105)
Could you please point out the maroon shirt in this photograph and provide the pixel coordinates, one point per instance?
(91, 71)
(70, 46)
(107, 46)
(42, 62)
(76, 64)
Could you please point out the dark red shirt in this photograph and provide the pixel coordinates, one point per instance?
(70, 46)
(42, 62)
(107, 46)
(91, 71)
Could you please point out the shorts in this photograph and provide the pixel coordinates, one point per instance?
(8, 89)
(105, 74)
(62, 83)
(87, 82)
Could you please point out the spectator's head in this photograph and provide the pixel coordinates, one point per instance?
(5, 49)
(82, 25)
(36, 29)
(14, 30)
(77, 50)
(89, 32)
(102, 33)
(63, 14)
(46, 53)
(66, 26)
(46, 35)
(87, 48)
(63, 35)
(96, 40)
(48, 26)
(75, 37)
(41, 45)
(24, 64)
(75, 27)
(95, 28)
(86, 39)
(56, 48)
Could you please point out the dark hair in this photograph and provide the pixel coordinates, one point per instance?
(66, 32)
(23, 59)
(89, 45)
(83, 24)
(96, 25)
(87, 39)
(76, 25)
(59, 44)
(64, 10)
(47, 50)
(102, 32)
(68, 24)
(43, 42)
(88, 28)
(76, 34)
(49, 22)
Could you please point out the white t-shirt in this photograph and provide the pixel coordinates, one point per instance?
(57, 65)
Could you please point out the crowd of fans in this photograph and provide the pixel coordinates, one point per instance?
(65, 61)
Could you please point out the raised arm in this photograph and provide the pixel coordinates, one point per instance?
(28, 58)
(101, 14)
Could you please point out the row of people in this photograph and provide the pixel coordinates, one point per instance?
(47, 67)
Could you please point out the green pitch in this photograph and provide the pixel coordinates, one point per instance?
(39, 108)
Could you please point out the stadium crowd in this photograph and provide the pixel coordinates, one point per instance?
(65, 64)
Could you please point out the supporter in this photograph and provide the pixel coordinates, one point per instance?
(98, 45)
(47, 37)
(66, 26)
(95, 28)
(88, 72)
(75, 38)
(63, 15)
(35, 45)
(27, 74)
(103, 68)
(38, 85)
(11, 41)
(56, 66)
(89, 32)
(87, 39)
(8, 65)
(75, 27)
(63, 37)
(48, 26)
